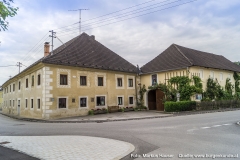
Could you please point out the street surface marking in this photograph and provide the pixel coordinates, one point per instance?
(227, 124)
(217, 126)
(68, 147)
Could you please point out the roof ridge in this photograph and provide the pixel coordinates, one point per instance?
(182, 54)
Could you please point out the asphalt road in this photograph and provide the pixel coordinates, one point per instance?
(190, 135)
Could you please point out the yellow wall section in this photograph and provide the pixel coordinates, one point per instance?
(50, 90)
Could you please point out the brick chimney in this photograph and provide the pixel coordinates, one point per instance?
(46, 49)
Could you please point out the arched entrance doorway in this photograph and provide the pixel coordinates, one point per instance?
(155, 100)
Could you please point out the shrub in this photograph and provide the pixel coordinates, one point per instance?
(90, 112)
(121, 110)
(179, 106)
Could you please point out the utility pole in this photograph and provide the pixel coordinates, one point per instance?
(19, 64)
(53, 36)
(79, 18)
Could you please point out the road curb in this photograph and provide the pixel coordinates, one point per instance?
(173, 114)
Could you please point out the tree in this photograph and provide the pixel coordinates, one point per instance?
(6, 10)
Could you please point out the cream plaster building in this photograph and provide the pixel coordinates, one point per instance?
(83, 75)
(181, 61)
(1, 98)
(75, 78)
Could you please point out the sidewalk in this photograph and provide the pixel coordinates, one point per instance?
(68, 147)
(120, 116)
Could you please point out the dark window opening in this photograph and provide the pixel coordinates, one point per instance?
(83, 102)
(31, 103)
(39, 79)
(100, 81)
(38, 103)
(62, 103)
(154, 79)
(19, 85)
(13, 87)
(27, 83)
(26, 103)
(32, 81)
(130, 100)
(120, 101)
(63, 79)
(119, 82)
(130, 82)
(83, 80)
(101, 101)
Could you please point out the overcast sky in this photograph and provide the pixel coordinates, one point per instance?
(207, 25)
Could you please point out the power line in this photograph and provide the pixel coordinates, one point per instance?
(26, 56)
(138, 16)
(8, 66)
(126, 14)
(117, 16)
(107, 14)
(36, 50)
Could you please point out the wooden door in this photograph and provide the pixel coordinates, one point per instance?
(159, 100)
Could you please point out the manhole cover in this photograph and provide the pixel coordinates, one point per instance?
(4, 142)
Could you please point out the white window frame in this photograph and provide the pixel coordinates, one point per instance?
(133, 78)
(122, 100)
(220, 78)
(27, 103)
(19, 90)
(99, 74)
(201, 73)
(38, 98)
(151, 78)
(83, 73)
(64, 72)
(212, 74)
(31, 103)
(96, 101)
(129, 101)
(230, 77)
(116, 81)
(39, 72)
(66, 102)
(79, 102)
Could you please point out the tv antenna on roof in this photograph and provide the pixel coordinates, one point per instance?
(79, 18)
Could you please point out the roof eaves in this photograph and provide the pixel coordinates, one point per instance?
(163, 70)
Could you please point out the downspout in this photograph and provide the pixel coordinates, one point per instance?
(136, 85)
(45, 92)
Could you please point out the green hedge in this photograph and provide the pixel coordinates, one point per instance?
(179, 106)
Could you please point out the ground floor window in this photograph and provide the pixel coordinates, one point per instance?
(62, 103)
(83, 102)
(26, 103)
(198, 96)
(130, 100)
(31, 103)
(101, 101)
(120, 100)
(38, 103)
